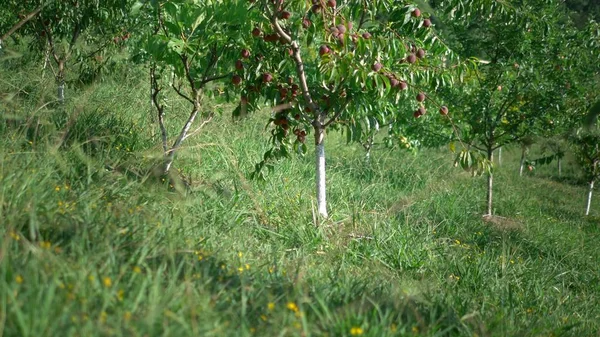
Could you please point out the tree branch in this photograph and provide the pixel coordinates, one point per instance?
(299, 69)
(76, 33)
(214, 78)
(337, 114)
(159, 107)
(50, 42)
(182, 94)
(22, 22)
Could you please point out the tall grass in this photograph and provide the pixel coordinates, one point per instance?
(94, 243)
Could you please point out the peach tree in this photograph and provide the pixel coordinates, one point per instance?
(586, 145)
(58, 27)
(338, 65)
(585, 106)
(190, 45)
(519, 89)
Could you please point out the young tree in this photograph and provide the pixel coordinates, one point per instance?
(586, 144)
(335, 64)
(518, 90)
(59, 26)
(196, 43)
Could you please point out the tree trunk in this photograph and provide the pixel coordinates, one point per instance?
(170, 155)
(523, 151)
(320, 169)
(559, 167)
(499, 156)
(60, 78)
(490, 182)
(589, 201)
(368, 146)
(152, 118)
(46, 59)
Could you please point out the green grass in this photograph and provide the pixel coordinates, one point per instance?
(94, 244)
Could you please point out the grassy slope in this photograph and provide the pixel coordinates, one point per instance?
(92, 245)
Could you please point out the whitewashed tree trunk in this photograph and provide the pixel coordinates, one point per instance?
(589, 201)
(320, 171)
(368, 146)
(490, 185)
(559, 167)
(152, 118)
(523, 151)
(170, 155)
(61, 92)
(60, 77)
(499, 156)
(46, 59)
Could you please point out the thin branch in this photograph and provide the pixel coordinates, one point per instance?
(337, 115)
(76, 33)
(477, 147)
(204, 122)
(182, 94)
(50, 42)
(22, 22)
(188, 74)
(506, 105)
(299, 70)
(214, 78)
(211, 62)
(362, 16)
(159, 107)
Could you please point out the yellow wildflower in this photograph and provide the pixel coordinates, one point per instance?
(57, 188)
(127, 316)
(45, 244)
(292, 306)
(137, 269)
(107, 282)
(415, 329)
(120, 294)
(19, 279)
(263, 317)
(356, 331)
(271, 306)
(15, 236)
(102, 317)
